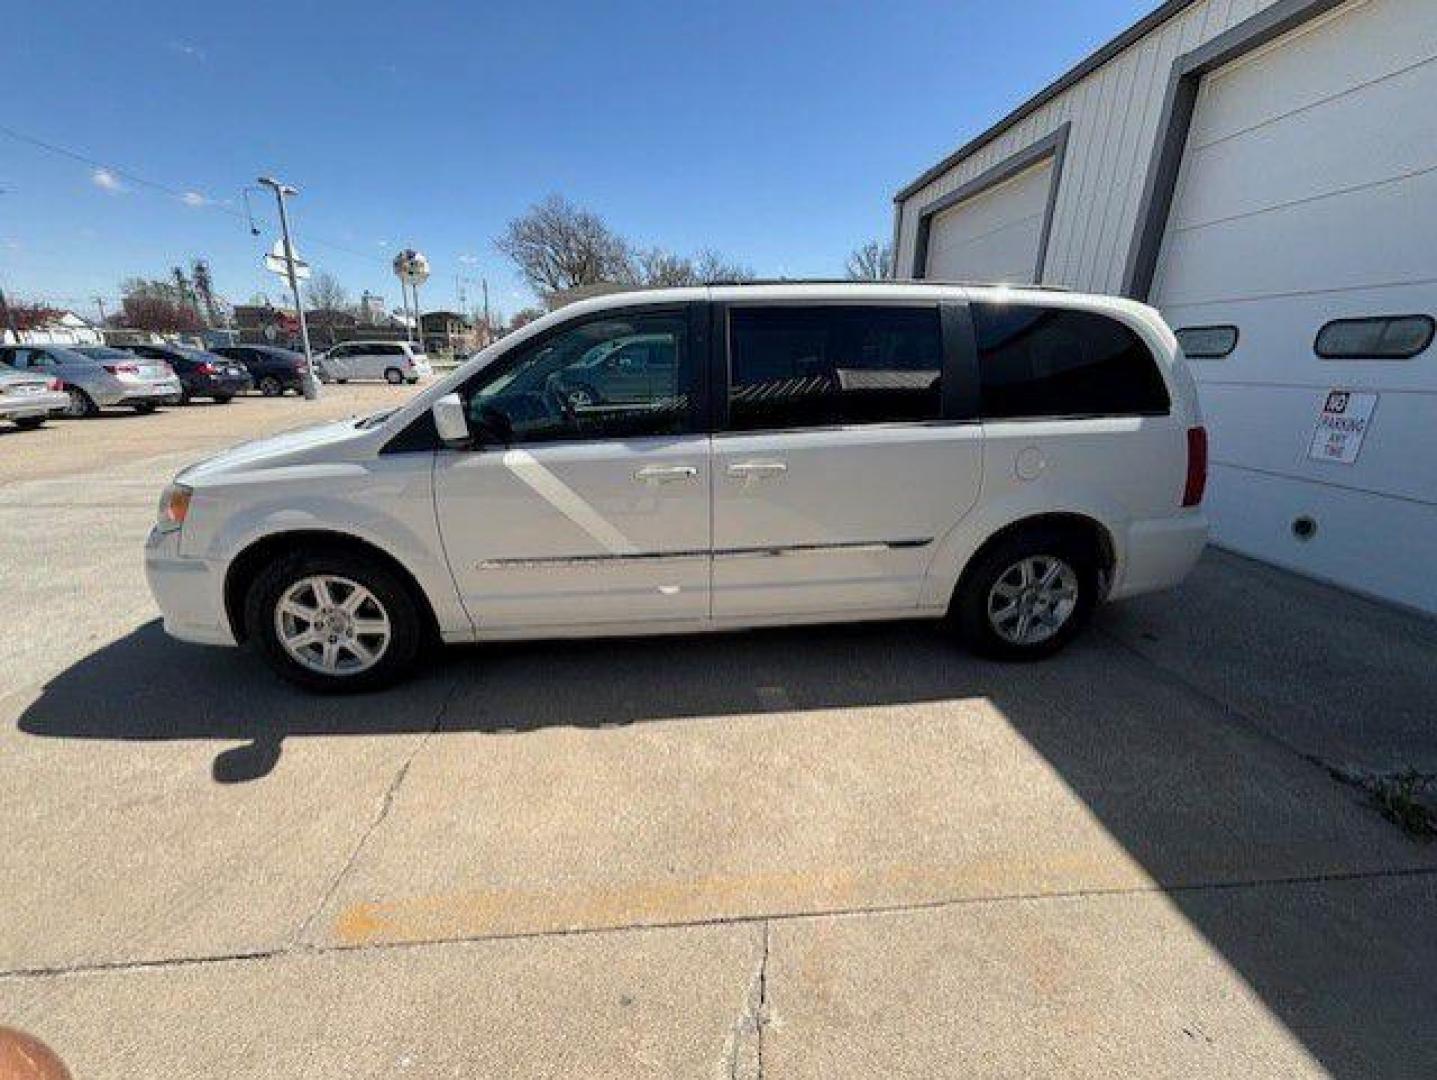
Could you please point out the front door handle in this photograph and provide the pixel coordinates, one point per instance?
(757, 470)
(665, 474)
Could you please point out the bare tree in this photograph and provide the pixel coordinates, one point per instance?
(325, 293)
(558, 246)
(523, 317)
(872, 262)
(659, 269)
(710, 267)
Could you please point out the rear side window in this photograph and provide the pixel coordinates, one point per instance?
(1047, 362)
(1385, 337)
(823, 366)
(1208, 342)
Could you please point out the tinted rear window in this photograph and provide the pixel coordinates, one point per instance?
(794, 367)
(1039, 361)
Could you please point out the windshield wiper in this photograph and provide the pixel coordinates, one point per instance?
(375, 419)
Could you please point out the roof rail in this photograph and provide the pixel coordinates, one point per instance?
(889, 281)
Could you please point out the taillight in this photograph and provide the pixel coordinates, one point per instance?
(55, 384)
(1197, 467)
(122, 369)
(205, 368)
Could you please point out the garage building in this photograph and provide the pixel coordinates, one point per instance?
(1265, 173)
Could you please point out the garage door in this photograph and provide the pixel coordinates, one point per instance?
(994, 236)
(1309, 194)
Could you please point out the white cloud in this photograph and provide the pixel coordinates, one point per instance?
(194, 198)
(184, 48)
(469, 260)
(104, 178)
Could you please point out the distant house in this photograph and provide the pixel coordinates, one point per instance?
(448, 332)
(265, 324)
(67, 328)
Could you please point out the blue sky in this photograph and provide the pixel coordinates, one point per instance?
(773, 132)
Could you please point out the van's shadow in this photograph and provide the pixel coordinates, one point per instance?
(1199, 803)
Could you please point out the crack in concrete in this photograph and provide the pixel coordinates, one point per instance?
(385, 806)
(748, 1028)
(717, 921)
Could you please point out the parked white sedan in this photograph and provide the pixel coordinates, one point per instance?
(713, 458)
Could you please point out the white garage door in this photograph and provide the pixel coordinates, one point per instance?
(994, 236)
(1309, 193)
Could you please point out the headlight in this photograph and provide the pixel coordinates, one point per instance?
(174, 506)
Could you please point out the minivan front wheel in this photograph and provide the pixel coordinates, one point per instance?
(1027, 596)
(335, 622)
(393, 376)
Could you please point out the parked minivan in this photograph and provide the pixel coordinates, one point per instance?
(393, 361)
(741, 456)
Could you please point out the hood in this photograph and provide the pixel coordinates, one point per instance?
(328, 441)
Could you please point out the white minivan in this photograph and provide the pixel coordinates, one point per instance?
(393, 361)
(709, 459)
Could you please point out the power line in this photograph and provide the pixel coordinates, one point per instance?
(179, 195)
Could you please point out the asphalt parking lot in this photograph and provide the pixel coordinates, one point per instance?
(853, 851)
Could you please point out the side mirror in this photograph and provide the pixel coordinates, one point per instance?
(449, 420)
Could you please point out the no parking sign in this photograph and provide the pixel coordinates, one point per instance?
(1341, 426)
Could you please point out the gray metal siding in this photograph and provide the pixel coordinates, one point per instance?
(1115, 112)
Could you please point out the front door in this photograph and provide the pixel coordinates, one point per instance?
(844, 460)
(585, 500)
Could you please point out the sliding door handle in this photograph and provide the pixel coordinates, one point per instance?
(757, 470)
(665, 474)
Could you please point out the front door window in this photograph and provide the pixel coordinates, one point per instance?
(617, 377)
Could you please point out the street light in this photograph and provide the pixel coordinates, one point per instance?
(311, 383)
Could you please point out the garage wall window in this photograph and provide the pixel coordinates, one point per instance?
(804, 367)
(1046, 362)
(1208, 342)
(1383, 337)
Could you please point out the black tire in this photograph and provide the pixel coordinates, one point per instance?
(971, 607)
(29, 423)
(407, 624)
(393, 376)
(223, 399)
(269, 386)
(81, 404)
(341, 381)
(144, 408)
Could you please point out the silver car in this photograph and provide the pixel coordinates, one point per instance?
(96, 376)
(26, 400)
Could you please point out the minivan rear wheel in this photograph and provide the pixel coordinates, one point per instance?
(393, 376)
(1027, 596)
(335, 622)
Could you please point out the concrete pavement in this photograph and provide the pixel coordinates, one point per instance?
(842, 851)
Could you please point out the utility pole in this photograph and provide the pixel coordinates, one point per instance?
(100, 303)
(5, 311)
(311, 382)
(488, 330)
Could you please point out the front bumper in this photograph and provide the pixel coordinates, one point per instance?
(20, 406)
(189, 592)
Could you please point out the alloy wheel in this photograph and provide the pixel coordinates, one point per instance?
(332, 625)
(1033, 599)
